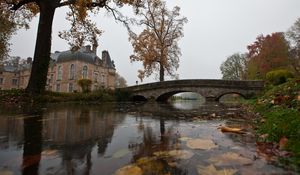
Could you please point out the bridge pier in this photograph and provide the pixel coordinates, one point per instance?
(211, 99)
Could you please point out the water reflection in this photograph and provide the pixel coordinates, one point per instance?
(99, 139)
(32, 145)
(187, 105)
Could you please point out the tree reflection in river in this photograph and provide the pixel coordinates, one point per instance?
(153, 141)
(32, 146)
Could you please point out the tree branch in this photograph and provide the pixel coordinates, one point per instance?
(89, 5)
(16, 6)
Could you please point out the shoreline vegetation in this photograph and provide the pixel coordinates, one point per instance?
(277, 124)
(277, 121)
(21, 97)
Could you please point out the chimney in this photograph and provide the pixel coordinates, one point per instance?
(15, 61)
(88, 48)
(105, 56)
(95, 45)
(29, 60)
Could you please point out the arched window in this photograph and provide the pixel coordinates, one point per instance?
(84, 71)
(72, 72)
(59, 73)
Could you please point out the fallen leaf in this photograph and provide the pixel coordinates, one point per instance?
(120, 153)
(211, 170)
(234, 130)
(205, 144)
(229, 159)
(283, 142)
(264, 136)
(129, 170)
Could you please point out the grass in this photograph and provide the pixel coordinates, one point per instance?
(279, 110)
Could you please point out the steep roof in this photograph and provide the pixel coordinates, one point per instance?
(80, 55)
(8, 68)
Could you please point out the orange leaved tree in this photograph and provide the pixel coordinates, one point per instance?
(157, 45)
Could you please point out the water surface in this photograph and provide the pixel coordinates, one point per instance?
(151, 138)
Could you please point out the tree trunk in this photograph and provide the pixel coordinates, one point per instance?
(39, 70)
(161, 72)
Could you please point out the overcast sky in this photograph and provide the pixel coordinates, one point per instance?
(216, 29)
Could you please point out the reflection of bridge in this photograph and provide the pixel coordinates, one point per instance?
(212, 90)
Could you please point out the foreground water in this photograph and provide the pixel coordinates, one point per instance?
(159, 139)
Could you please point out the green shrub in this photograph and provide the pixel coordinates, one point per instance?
(277, 77)
(85, 85)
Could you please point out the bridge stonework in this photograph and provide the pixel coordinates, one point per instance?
(212, 90)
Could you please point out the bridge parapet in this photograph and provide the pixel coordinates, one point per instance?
(207, 88)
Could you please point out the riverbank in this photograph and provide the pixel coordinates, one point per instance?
(278, 124)
(20, 97)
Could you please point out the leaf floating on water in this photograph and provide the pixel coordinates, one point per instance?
(172, 164)
(49, 152)
(205, 144)
(120, 153)
(184, 139)
(229, 159)
(144, 160)
(233, 130)
(211, 170)
(179, 154)
(129, 170)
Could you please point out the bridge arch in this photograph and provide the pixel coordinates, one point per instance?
(212, 90)
(228, 93)
(138, 98)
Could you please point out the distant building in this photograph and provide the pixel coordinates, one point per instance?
(65, 69)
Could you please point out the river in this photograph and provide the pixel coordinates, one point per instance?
(180, 138)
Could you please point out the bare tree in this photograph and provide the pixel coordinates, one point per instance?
(293, 35)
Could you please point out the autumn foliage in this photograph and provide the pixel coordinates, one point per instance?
(157, 45)
(83, 29)
(267, 53)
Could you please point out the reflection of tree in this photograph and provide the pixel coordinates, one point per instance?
(155, 140)
(32, 143)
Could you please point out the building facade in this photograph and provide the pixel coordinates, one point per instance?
(65, 69)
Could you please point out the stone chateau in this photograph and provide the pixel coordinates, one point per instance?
(65, 69)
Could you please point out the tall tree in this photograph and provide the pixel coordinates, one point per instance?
(234, 68)
(157, 45)
(267, 53)
(78, 15)
(293, 35)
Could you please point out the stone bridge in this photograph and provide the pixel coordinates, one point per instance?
(212, 90)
